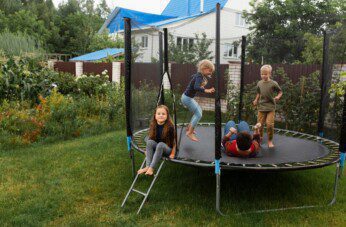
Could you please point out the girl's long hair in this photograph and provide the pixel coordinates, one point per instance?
(166, 137)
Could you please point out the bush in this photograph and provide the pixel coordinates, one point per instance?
(93, 85)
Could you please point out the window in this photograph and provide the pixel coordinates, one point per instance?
(186, 43)
(190, 43)
(231, 51)
(144, 43)
(179, 41)
(239, 20)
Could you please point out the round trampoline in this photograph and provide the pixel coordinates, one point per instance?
(145, 90)
(293, 151)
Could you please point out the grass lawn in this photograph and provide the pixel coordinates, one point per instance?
(84, 181)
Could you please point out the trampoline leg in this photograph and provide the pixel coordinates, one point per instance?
(336, 182)
(151, 185)
(218, 187)
(133, 163)
(181, 132)
(132, 185)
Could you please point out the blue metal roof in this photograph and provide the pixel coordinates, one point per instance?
(170, 21)
(100, 54)
(139, 18)
(180, 8)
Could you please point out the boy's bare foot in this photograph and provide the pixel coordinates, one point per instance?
(141, 171)
(150, 171)
(270, 144)
(257, 126)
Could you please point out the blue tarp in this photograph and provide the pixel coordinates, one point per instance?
(181, 8)
(100, 54)
(165, 22)
(141, 19)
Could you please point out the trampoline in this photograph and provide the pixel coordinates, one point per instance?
(293, 151)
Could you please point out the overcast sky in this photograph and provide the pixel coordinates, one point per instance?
(150, 6)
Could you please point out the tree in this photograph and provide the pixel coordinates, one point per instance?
(89, 7)
(26, 22)
(201, 48)
(78, 30)
(313, 51)
(70, 7)
(179, 54)
(10, 6)
(278, 27)
(103, 10)
(102, 41)
(192, 53)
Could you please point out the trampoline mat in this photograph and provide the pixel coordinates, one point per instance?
(287, 149)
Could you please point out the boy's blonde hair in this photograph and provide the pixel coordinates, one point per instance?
(205, 64)
(267, 67)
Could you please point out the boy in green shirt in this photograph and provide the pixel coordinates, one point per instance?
(266, 102)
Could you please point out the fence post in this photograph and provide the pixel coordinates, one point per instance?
(116, 72)
(166, 84)
(79, 68)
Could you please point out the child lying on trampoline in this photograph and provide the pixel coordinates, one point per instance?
(238, 141)
(161, 140)
(197, 84)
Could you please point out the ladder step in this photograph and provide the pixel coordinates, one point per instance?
(142, 193)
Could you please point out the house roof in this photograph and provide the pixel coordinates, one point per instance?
(100, 54)
(174, 20)
(115, 20)
(175, 11)
(181, 8)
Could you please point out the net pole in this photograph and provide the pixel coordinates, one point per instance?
(128, 58)
(165, 43)
(324, 84)
(162, 97)
(242, 75)
(342, 143)
(217, 110)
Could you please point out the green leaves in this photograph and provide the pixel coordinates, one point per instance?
(190, 53)
(278, 27)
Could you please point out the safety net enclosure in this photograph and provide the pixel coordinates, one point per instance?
(304, 138)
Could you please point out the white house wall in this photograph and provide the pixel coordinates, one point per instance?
(207, 24)
(152, 51)
(239, 4)
(230, 32)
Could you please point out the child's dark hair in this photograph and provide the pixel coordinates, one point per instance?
(244, 141)
(169, 139)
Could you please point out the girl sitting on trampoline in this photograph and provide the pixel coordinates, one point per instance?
(197, 84)
(161, 140)
(238, 141)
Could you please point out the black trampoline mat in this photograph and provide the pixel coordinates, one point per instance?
(287, 149)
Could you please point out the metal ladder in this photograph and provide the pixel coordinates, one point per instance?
(145, 194)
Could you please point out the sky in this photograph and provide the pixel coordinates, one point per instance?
(150, 6)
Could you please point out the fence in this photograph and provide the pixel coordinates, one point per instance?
(181, 74)
(294, 72)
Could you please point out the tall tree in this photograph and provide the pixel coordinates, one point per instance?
(193, 51)
(278, 26)
(10, 6)
(103, 10)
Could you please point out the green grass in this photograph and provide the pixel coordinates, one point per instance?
(84, 181)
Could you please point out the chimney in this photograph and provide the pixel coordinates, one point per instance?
(202, 6)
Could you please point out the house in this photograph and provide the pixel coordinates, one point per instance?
(184, 19)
